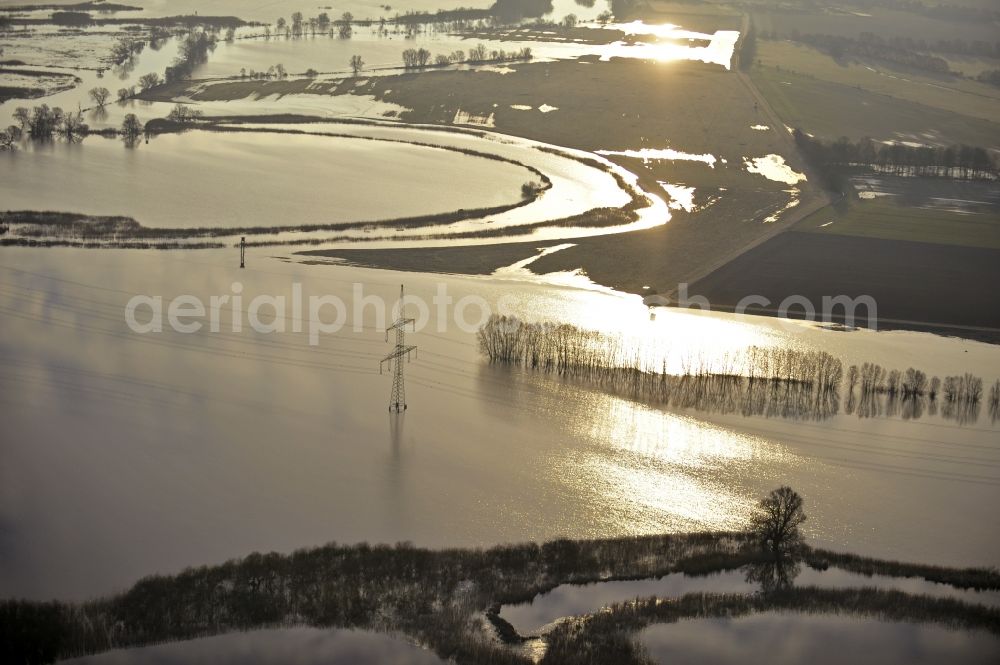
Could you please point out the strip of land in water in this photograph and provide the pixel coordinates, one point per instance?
(448, 600)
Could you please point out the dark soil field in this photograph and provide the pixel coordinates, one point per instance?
(920, 286)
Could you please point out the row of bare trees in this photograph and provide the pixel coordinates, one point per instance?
(299, 26)
(954, 161)
(759, 381)
(418, 58)
(42, 122)
(567, 349)
(875, 379)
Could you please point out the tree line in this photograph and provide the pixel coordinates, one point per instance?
(909, 393)
(963, 162)
(420, 58)
(566, 349)
(871, 45)
(194, 50)
(757, 381)
(769, 382)
(748, 47)
(44, 123)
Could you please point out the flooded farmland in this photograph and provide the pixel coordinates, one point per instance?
(197, 179)
(372, 334)
(298, 450)
(824, 639)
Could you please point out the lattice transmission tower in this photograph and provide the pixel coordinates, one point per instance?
(397, 401)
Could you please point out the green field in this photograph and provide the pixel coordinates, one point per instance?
(830, 110)
(883, 218)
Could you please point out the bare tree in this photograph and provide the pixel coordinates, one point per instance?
(346, 30)
(777, 519)
(72, 127)
(100, 95)
(356, 64)
(131, 129)
(44, 121)
(148, 81)
(181, 113)
(8, 138)
(23, 116)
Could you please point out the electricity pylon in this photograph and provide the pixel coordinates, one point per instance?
(397, 401)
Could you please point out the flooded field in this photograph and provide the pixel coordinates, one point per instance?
(378, 172)
(304, 646)
(174, 400)
(383, 54)
(570, 600)
(280, 444)
(198, 179)
(820, 639)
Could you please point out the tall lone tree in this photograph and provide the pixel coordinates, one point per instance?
(776, 521)
(100, 95)
(131, 129)
(356, 64)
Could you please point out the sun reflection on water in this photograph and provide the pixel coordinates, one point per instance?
(650, 469)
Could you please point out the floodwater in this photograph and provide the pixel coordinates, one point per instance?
(88, 49)
(127, 454)
(83, 55)
(378, 171)
(569, 600)
(383, 54)
(817, 639)
(301, 645)
(201, 178)
(668, 154)
(773, 167)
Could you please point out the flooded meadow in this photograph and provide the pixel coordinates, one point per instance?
(540, 404)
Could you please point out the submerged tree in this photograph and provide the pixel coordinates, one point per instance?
(8, 138)
(356, 64)
(131, 130)
(182, 114)
(777, 519)
(346, 29)
(100, 95)
(44, 121)
(23, 116)
(72, 127)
